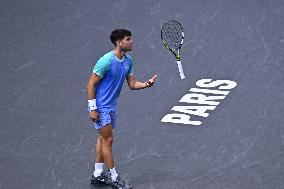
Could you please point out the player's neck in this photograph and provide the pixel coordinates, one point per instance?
(119, 53)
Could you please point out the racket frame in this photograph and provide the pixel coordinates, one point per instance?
(177, 55)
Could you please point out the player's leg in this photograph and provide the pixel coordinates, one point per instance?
(100, 176)
(106, 145)
(117, 181)
(99, 164)
(107, 138)
(99, 155)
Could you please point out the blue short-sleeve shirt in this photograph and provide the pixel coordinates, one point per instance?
(113, 73)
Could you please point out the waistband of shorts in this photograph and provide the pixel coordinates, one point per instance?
(106, 109)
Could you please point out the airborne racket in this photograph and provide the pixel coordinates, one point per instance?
(172, 36)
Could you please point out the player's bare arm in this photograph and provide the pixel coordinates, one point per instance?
(91, 90)
(133, 84)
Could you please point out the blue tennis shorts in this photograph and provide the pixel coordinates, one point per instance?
(106, 116)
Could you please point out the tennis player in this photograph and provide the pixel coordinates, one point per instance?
(103, 89)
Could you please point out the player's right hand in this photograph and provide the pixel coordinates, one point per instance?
(94, 116)
(151, 81)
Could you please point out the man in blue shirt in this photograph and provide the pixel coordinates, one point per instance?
(103, 89)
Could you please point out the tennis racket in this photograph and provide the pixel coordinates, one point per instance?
(172, 37)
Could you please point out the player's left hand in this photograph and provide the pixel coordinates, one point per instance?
(151, 81)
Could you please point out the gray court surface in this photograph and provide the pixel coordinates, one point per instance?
(47, 52)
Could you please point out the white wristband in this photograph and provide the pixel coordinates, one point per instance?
(92, 104)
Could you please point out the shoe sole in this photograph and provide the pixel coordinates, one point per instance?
(98, 182)
(114, 187)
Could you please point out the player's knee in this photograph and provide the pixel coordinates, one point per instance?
(107, 140)
(106, 135)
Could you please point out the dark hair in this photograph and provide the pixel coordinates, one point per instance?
(119, 34)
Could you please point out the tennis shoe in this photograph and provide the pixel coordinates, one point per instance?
(120, 184)
(104, 178)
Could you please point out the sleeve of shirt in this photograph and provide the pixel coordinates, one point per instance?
(130, 71)
(101, 67)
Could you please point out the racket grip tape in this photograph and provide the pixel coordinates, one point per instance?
(180, 70)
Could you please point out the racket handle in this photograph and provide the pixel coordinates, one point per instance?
(180, 70)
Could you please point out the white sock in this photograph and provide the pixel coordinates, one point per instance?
(99, 168)
(113, 174)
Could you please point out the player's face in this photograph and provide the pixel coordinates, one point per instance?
(126, 43)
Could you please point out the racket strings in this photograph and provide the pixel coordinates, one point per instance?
(172, 34)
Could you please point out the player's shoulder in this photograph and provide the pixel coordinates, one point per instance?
(106, 58)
